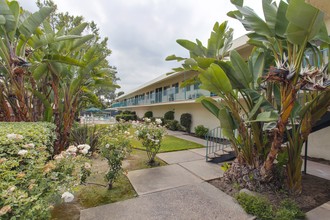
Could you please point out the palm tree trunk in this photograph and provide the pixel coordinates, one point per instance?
(288, 100)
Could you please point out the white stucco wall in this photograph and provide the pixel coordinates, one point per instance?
(319, 144)
(200, 116)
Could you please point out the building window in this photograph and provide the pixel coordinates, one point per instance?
(196, 86)
(175, 88)
(165, 90)
(188, 88)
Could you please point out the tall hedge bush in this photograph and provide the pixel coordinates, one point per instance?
(148, 114)
(169, 115)
(185, 121)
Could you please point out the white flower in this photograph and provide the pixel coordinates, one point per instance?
(83, 146)
(15, 136)
(22, 152)
(68, 197)
(27, 146)
(147, 120)
(156, 141)
(88, 166)
(58, 157)
(127, 133)
(12, 189)
(84, 151)
(107, 145)
(72, 149)
(158, 121)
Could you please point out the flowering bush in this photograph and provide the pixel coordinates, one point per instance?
(31, 183)
(151, 134)
(115, 145)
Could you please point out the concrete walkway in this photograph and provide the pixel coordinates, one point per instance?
(179, 191)
(195, 201)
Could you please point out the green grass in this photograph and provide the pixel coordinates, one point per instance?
(94, 195)
(170, 143)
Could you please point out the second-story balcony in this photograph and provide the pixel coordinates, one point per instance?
(166, 96)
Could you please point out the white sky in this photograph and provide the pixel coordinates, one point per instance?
(142, 33)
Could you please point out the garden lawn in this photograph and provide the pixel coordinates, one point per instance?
(170, 143)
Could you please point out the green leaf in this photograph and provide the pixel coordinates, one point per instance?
(209, 104)
(242, 73)
(268, 116)
(15, 9)
(64, 59)
(31, 23)
(6, 13)
(226, 123)
(303, 28)
(40, 71)
(281, 20)
(78, 29)
(173, 57)
(237, 2)
(270, 12)
(2, 20)
(215, 80)
(252, 22)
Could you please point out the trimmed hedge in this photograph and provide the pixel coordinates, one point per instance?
(169, 115)
(185, 121)
(126, 116)
(148, 114)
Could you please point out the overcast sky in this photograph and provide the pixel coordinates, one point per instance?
(142, 33)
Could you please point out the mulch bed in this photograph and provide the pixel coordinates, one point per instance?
(315, 192)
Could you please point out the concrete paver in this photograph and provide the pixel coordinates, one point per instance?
(200, 151)
(318, 169)
(320, 213)
(194, 202)
(161, 178)
(179, 156)
(205, 170)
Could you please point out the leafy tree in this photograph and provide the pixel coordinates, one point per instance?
(49, 69)
(261, 99)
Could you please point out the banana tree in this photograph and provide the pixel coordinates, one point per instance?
(70, 66)
(240, 106)
(16, 28)
(289, 35)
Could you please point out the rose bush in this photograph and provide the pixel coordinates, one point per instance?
(31, 181)
(114, 147)
(151, 135)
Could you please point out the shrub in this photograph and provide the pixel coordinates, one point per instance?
(154, 119)
(185, 121)
(148, 114)
(172, 125)
(169, 115)
(84, 134)
(263, 209)
(30, 181)
(151, 135)
(114, 146)
(201, 131)
(289, 210)
(255, 205)
(126, 116)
